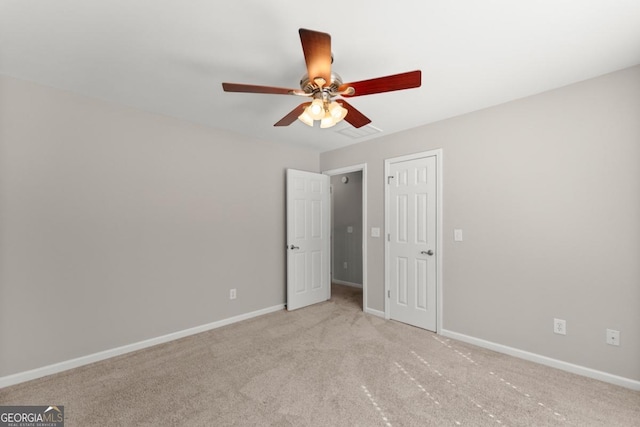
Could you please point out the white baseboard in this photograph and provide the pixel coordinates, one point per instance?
(374, 312)
(96, 357)
(544, 360)
(345, 283)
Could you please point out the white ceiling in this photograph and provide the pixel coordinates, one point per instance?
(171, 56)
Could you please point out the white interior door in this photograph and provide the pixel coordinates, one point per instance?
(412, 241)
(308, 229)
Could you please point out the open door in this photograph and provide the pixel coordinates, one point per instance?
(308, 223)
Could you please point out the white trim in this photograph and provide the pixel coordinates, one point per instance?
(345, 283)
(438, 153)
(544, 360)
(331, 236)
(373, 312)
(356, 168)
(440, 243)
(106, 354)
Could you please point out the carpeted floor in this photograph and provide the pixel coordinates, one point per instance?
(325, 365)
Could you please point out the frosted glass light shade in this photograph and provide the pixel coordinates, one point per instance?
(337, 111)
(316, 109)
(306, 118)
(327, 121)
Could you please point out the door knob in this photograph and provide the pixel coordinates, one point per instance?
(295, 247)
(429, 252)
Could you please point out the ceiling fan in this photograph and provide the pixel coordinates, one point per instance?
(321, 86)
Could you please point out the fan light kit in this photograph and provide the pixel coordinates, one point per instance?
(326, 85)
(322, 108)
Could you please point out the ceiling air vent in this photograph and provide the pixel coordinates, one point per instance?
(356, 133)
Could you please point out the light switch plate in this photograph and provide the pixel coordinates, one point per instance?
(349, 229)
(375, 232)
(457, 235)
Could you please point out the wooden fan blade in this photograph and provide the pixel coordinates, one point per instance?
(317, 54)
(293, 115)
(409, 80)
(355, 117)
(239, 87)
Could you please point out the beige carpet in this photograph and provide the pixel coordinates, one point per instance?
(325, 365)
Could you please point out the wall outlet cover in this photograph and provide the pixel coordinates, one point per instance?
(560, 326)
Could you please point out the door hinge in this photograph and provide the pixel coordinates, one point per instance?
(389, 178)
(388, 237)
(389, 293)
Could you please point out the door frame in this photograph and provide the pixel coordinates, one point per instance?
(438, 153)
(347, 169)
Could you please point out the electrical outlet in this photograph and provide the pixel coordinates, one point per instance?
(613, 337)
(560, 326)
(232, 293)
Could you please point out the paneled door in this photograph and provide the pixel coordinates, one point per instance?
(412, 241)
(308, 222)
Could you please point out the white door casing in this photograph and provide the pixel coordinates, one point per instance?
(308, 228)
(412, 241)
(362, 168)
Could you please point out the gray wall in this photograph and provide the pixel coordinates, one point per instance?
(117, 226)
(347, 212)
(547, 191)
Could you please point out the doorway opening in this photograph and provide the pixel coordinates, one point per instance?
(348, 228)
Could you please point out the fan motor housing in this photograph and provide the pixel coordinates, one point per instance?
(309, 86)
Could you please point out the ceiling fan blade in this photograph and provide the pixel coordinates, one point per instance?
(239, 87)
(293, 115)
(355, 117)
(317, 54)
(401, 81)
